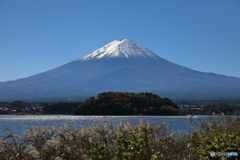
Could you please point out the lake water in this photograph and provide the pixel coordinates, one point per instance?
(17, 122)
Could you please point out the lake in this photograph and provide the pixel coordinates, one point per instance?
(17, 122)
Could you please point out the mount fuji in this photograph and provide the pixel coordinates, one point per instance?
(122, 65)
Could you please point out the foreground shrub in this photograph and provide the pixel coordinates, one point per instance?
(219, 134)
(220, 142)
(142, 142)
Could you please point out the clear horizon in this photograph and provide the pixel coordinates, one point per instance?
(37, 36)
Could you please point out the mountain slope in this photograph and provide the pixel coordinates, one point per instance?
(121, 65)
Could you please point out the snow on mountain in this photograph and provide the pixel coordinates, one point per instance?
(120, 48)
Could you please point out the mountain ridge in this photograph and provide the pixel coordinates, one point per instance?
(121, 65)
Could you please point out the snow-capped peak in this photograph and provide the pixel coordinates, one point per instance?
(120, 48)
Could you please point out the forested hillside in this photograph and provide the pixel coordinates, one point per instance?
(119, 103)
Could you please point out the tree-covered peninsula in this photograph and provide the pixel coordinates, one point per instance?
(122, 103)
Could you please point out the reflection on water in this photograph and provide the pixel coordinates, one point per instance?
(17, 122)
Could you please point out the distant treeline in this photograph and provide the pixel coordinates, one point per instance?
(60, 108)
(119, 103)
(221, 108)
(229, 102)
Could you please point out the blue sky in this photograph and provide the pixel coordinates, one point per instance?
(39, 35)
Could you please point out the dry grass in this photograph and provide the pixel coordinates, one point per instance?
(142, 142)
